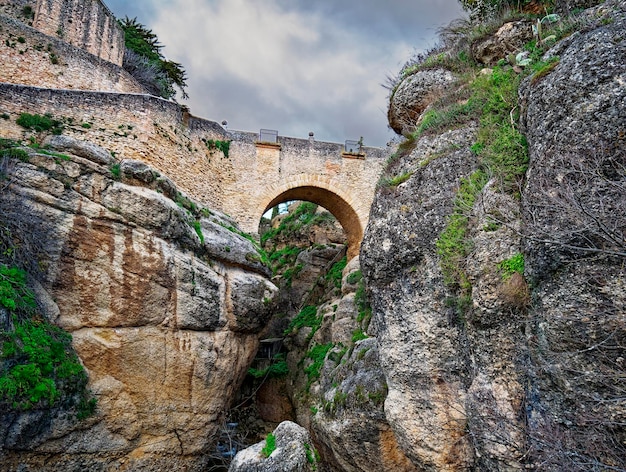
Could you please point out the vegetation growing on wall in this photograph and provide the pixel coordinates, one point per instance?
(38, 367)
(216, 144)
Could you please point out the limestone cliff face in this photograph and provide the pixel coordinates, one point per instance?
(164, 321)
(525, 373)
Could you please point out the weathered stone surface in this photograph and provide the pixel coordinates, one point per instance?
(436, 390)
(251, 298)
(509, 39)
(575, 202)
(413, 95)
(165, 336)
(351, 429)
(520, 376)
(79, 148)
(343, 408)
(294, 451)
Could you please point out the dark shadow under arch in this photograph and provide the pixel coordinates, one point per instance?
(345, 214)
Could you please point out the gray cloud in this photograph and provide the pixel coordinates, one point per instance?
(293, 65)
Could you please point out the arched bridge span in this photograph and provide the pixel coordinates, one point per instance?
(266, 174)
(346, 213)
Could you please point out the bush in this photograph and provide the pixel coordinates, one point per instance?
(144, 61)
(39, 123)
(39, 366)
(306, 317)
(318, 355)
(277, 369)
(334, 274)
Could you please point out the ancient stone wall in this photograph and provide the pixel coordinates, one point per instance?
(253, 177)
(87, 24)
(30, 57)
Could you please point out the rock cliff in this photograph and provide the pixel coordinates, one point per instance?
(490, 367)
(163, 301)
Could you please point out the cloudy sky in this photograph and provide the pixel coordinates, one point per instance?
(293, 65)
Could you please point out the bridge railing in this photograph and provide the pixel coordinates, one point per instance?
(268, 136)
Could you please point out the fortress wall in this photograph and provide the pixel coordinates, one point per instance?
(140, 127)
(30, 57)
(87, 24)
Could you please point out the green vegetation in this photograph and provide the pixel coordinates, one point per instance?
(40, 123)
(396, 180)
(15, 153)
(312, 456)
(503, 155)
(39, 369)
(28, 12)
(306, 317)
(145, 61)
(365, 310)
(116, 171)
(334, 274)
(453, 244)
(277, 369)
(358, 335)
(512, 265)
(304, 215)
(292, 272)
(354, 277)
(284, 257)
(223, 146)
(270, 445)
(317, 354)
(198, 228)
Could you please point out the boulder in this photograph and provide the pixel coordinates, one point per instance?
(293, 452)
(413, 95)
(509, 39)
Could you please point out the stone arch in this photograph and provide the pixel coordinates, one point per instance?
(320, 190)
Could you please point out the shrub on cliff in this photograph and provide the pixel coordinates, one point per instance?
(144, 61)
(39, 367)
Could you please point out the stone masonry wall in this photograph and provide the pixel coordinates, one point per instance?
(242, 184)
(87, 24)
(32, 58)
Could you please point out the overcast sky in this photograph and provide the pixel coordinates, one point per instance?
(293, 65)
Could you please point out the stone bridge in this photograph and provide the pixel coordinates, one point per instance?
(341, 181)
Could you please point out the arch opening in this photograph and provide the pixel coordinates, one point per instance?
(336, 205)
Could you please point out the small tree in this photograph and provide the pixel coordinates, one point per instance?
(144, 61)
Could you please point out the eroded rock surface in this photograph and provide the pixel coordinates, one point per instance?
(293, 451)
(575, 202)
(164, 321)
(526, 372)
(413, 95)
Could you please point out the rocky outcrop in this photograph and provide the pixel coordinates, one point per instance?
(293, 451)
(163, 302)
(421, 344)
(413, 95)
(519, 372)
(510, 38)
(337, 386)
(574, 218)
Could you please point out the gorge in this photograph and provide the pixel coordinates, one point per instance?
(456, 303)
